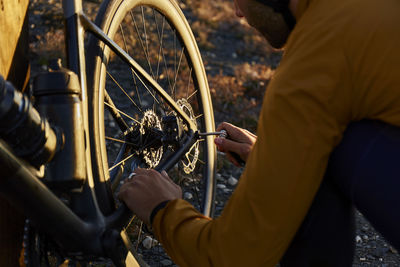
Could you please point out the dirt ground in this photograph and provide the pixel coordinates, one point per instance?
(239, 63)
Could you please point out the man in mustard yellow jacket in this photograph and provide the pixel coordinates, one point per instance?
(327, 140)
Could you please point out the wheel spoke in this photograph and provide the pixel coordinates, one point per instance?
(119, 141)
(132, 72)
(123, 90)
(177, 72)
(146, 40)
(145, 51)
(123, 113)
(194, 93)
(139, 235)
(114, 112)
(161, 38)
(121, 162)
(188, 85)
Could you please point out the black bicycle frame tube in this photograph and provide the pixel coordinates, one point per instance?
(52, 216)
(46, 210)
(75, 30)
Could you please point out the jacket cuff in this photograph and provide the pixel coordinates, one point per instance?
(157, 209)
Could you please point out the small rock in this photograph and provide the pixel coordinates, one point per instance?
(227, 190)
(149, 242)
(232, 181)
(219, 177)
(365, 237)
(393, 250)
(166, 262)
(358, 239)
(365, 228)
(221, 186)
(188, 196)
(380, 252)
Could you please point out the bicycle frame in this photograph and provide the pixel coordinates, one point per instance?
(88, 227)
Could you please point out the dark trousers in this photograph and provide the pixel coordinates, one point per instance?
(363, 173)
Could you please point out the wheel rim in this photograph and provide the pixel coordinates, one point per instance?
(132, 112)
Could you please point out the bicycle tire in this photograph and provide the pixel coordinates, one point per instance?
(109, 120)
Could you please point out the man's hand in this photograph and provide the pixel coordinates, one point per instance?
(145, 190)
(240, 142)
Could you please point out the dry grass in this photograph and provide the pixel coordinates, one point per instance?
(238, 98)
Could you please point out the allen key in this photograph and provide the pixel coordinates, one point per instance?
(224, 134)
(221, 133)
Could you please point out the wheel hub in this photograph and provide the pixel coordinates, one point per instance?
(154, 136)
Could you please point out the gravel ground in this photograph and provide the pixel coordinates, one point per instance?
(239, 64)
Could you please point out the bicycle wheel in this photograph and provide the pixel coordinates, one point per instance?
(131, 123)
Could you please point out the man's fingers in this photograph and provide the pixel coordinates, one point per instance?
(230, 128)
(226, 145)
(232, 159)
(146, 189)
(140, 171)
(222, 126)
(235, 133)
(146, 172)
(150, 172)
